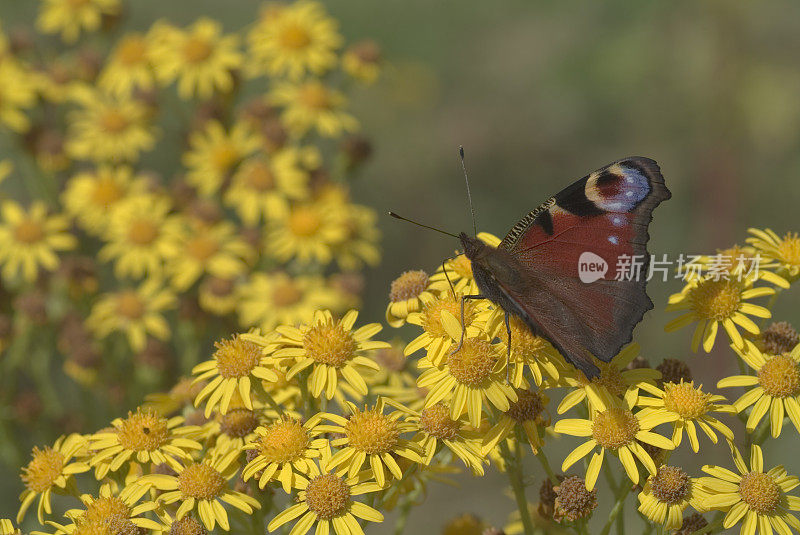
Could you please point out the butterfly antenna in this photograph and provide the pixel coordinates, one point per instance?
(397, 216)
(469, 195)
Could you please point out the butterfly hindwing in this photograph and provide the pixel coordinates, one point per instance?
(607, 214)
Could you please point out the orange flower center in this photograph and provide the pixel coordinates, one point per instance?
(132, 50)
(106, 192)
(716, 300)
(43, 470)
(143, 431)
(236, 357)
(29, 231)
(113, 121)
(328, 496)
(304, 221)
(472, 365)
(142, 232)
(760, 492)
(129, 305)
(224, 157)
(202, 247)
(408, 285)
(259, 176)
(436, 421)
(294, 37)
(372, 432)
(614, 428)
(329, 343)
(315, 96)
(196, 49)
(284, 441)
(201, 481)
(780, 377)
(671, 485)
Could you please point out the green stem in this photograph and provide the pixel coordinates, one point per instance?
(515, 477)
(546, 465)
(617, 509)
(402, 520)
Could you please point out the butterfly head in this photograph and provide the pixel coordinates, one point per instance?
(474, 249)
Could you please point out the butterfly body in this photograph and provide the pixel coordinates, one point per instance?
(535, 271)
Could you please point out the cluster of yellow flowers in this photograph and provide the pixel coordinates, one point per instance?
(126, 259)
(315, 425)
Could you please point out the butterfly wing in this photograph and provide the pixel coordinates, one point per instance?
(606, 214)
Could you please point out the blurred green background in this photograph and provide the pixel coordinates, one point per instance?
(539, 94)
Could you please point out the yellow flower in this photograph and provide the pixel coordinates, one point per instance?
(92, 196)
(136, 313)
(108, 129)
(218, 295)
(181, 395)
(202, 486)
(332, 349)
(712, 302)
(200, 58)
(263, 185)
(459, 269)
(308, 233)
(409, 293)
(667, 494)
(361, 236)
(785, 251)
(215, 153)
(617, 430)
(776, 387)
(30, 240)
(435, 425)
(529, 412)
(7, 527)
(70, 17)
(293, 40)
(474, 372)
(687, 407)
(267, 300)
(327, 501)
(50, 470)
(128, 68)
(211, 249)
(313, 105)
(141, 236)
(143, 437)
(107, 513)
(235, 363)
(362, 61)
(17, 92)
(284, 451)
(615, 380)
(758, 499)
(372, 437)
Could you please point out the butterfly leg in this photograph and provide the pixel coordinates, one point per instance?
(508, 353)
(464, 327)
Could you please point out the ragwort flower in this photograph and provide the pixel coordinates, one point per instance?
(667, 494)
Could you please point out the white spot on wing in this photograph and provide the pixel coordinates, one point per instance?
(614, 240)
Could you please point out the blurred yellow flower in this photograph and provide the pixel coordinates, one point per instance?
(143, 437)
(756, 498)
(327, 501)
(70, 17)
(785, 251)
(362, 61)
(293, 40)
(214, 153)
(776, 387)
(136, 313)
(30, 240)
(218, 295)
(108, 129)
(128, 68)
(313, 105)
(200, 58)
(308, 233)
(51, 470)
(17, 92)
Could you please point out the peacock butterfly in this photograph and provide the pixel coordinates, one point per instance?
(535, 271)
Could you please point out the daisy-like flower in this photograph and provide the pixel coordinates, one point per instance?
(359, 246)
(410, 292)
(372, 437)
(474, 372)
(267, 300)
(362, 61)
(107, 513)
(235, 363)
(436, 425)
(214, 153)
(141, 235)
(218, 295)
(294, 40)
(135, 312)
(667, 494)
(200, 58)
(92, 196)
(758, 499)
(108, 129)
(712, 303)
(284, 451)
(785, 251)
(308, 233)
(440, 318)
(529, 412)
(202, 486)
(181, 395)
(128, 68)
(215, 250)
(143, 437)
(459, 269)
(263, 185)
(687, 407)
(313, 105)
(70, 17)
(332, 349)
(615, 380)
(51, 470)
(30, 240)
(18, 89)
(736, 261)
(7, 527)
(326, 500)
(776, 387)
(615, 429)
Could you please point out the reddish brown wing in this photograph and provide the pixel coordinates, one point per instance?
(607, 214)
